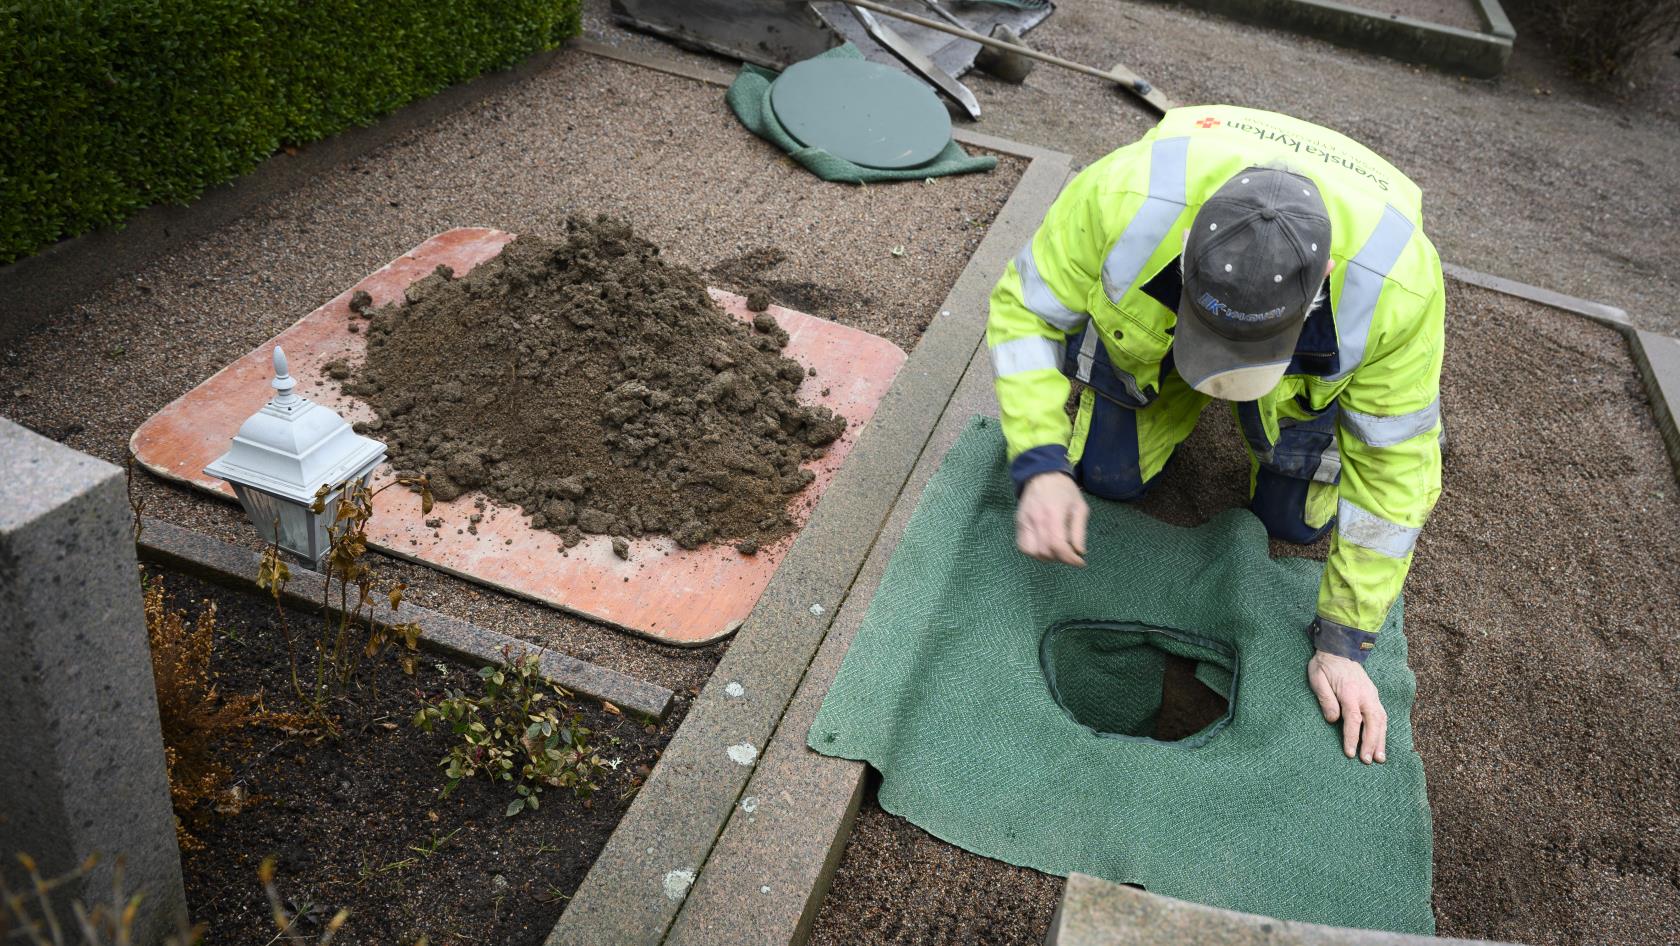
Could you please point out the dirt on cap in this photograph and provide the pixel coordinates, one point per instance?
(596, 386)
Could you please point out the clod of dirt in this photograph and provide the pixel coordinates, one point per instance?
(621, 548)
(758, 300)
(598, 388)
(360, 301)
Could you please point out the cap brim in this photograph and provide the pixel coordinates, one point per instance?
(1227, 369)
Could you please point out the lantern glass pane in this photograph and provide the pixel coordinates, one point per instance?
(301, 532)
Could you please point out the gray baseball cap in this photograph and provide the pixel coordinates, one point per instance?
(1253, 263)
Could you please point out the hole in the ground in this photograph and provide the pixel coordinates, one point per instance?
(1133, 681)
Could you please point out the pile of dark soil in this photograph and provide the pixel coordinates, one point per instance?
(597, 387)
(357, 822)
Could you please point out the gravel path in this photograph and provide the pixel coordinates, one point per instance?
(1539, 614)
(586, 136)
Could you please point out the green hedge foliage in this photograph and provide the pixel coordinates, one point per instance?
(108, 106)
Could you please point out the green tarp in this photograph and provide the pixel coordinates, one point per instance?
(951, 690)
(749, 98)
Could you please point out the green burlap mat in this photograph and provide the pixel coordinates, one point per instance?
(749, 98)
(945, 691)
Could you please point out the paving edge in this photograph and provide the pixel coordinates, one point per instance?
(1097, 912)
(1657, 356)
(639, 882)
(1451, 48)
(180, 548)
(767, 876)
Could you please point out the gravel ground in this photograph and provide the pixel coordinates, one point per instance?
(1539, 614)
(693, 181)
(1528, 176)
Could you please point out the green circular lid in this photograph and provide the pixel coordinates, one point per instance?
(862, 111)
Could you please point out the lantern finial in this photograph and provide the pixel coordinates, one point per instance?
(282, 383)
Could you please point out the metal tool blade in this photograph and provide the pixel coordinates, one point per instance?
(918, 60)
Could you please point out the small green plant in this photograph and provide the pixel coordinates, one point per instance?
(517, 730)
(350, 631)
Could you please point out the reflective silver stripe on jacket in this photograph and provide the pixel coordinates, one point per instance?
(1032, 353)
(1153, 221)
(1368, 530)
(1329, 464)
(1035, 292)
(1087, 356)
(1377, 431)
(1363, 284)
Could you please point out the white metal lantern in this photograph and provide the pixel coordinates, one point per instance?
(281, 458)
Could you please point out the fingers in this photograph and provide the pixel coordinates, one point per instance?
(1352, 718)
(1039, 535)
(1327, 702)
(1050, 522)
(1079, 516)
(1373, 745)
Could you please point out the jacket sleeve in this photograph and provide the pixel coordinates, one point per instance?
(1389, 429)
(1038, 303)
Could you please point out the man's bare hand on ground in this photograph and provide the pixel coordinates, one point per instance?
(1345, 693)
(1050, 520)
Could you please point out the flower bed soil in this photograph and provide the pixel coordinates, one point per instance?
(1540, 618)
(357, 822)
(596, 386)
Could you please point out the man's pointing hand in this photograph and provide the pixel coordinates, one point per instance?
(1050, 520)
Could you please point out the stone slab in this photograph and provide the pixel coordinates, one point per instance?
(1494, 19)
(1658, 357)
(639, 882)
(687, 597)
(770, 870)
(1450, 48)
(1097, 912)
(199, 554)
(84, 772)
(1597, 311)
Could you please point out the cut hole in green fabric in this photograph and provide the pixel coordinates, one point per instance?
(1125, 680)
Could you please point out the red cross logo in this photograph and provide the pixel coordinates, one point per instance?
(1207, 122)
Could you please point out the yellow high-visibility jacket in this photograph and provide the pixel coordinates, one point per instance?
(1120, 223)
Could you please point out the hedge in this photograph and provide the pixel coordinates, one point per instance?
(108, 106)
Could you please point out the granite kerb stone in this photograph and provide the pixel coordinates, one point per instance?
(1097, 912)
(769, 872)
(1658, 357)
(641, 879)
(85, 773)
(181, 548)
(1450, 48)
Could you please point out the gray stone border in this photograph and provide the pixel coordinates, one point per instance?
(1480, 54)
(1093, 912)
(790, 829)
(179, 548)
(640, 880)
